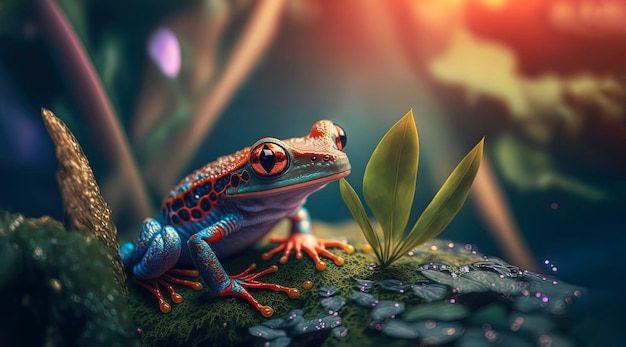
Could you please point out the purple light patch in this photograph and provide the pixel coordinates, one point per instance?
(164, 49)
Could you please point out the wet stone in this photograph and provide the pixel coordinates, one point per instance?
(535, 324)
(385, 309)
(530, 303)
(327, 291)
(437, 310)
(437, 333)
(461, 284)
(399, 329)
(494, 314)
(395, 285)
(340, 332)
(551, 287)
(294, 317)
(430, 292)
(435, 266)
(364, 299)
(499, 266)
(364, 285)
(266, 332)
(334, 304)
(317, 323)
(496, 283)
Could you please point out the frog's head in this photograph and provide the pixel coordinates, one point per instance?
(276, 166)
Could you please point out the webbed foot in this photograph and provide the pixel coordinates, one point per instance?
(313, 246)
(166, 280)
(247, 279)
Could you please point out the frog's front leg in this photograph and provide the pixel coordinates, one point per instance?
(301, 238)
(215, 276)
(151, 259)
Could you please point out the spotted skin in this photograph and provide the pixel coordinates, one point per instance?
(228, 205)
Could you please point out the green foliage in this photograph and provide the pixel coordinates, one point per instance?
(389, 187)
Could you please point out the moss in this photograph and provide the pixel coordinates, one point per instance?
(58, 287)
(205, 319)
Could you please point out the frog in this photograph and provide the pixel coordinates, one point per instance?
(229, 205)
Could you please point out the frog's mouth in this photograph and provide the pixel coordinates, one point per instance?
(322, 181)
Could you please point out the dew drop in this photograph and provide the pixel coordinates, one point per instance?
(38, 254)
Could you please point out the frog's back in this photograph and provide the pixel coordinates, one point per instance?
(196, 201)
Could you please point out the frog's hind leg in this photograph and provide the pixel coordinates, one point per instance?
(151, 258)
(154, 252)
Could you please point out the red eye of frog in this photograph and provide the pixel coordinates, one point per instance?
(268, 159)
(340, 137)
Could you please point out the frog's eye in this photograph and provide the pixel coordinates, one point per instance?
(268, 159)
(340, 137)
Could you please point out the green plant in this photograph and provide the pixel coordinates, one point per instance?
(389, 187)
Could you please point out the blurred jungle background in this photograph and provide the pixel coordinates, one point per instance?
(156, 89)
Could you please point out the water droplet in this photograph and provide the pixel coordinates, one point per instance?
(38, 254)
(364, 285)
(55, 284)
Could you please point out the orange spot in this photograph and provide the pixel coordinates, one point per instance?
(165, 307)
(367, 248)
(177, 298)
(350, 249)
(320, 266)
(266, 256)
(196, 285)
(307, 285)
(293, 293)
(267, 311)
(339, 261)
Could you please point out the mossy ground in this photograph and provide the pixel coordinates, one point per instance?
(205, 319)
(58, 287)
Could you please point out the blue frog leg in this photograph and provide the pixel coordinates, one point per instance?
(215, 277)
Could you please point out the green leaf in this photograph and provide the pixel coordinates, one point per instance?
(446, 203)
(389, 180)
(358, 212)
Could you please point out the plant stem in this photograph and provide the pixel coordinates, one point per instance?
(496, 211)
(96, 107)
(255, 39)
